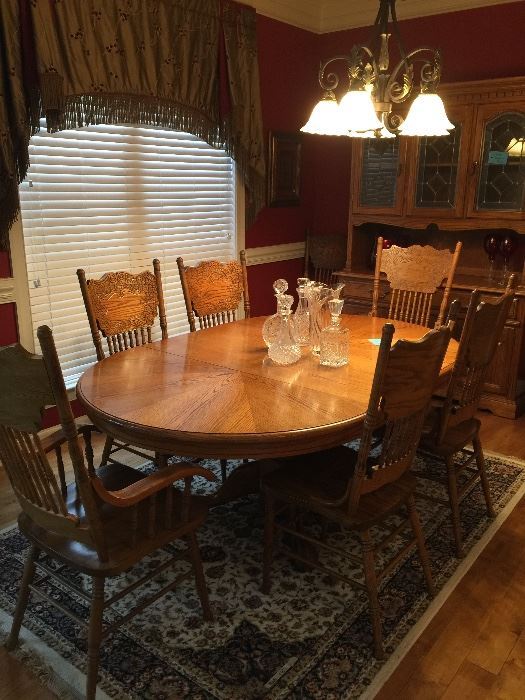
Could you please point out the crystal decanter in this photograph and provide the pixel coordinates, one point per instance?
(284, 349)
(272, 324)
(316, 293)
(301, 317)
(334, 338)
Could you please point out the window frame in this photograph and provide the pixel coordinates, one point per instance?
(21, 279)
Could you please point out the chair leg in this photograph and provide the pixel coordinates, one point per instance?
(224, 472)
(23, 596)
(94, 635)
(372, 589)
(269, 535)
(421, 546)
(480, 461)
(454, 505)
(107, 450)
(198, 572)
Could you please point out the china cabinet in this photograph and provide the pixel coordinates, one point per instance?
(438, 190)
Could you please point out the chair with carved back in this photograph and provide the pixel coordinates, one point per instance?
(122, 308)
(451, 425)
(363, 489)
(323, 256)
(414, 274)
(213, 290)
(101, 524)
(212, 293)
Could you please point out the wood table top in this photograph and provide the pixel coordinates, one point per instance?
(215, 392)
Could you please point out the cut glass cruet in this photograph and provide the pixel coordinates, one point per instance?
(284, 349)
(302, 314)
(271, 326)
(334, 338)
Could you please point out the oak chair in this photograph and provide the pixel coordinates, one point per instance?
(323, 256)
(414, 274)
(360, 490)
(104, 522)
(451, 424)
(122, 308)
(213, 290)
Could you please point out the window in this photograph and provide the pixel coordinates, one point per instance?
(109, 198)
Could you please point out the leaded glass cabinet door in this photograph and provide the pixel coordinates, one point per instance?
(437, 179)
(500, 185)
(378, 175)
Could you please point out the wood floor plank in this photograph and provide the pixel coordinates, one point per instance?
(510, 683)
(470, 683)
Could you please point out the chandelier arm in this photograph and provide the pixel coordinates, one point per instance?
(356, 64)
(429, 75)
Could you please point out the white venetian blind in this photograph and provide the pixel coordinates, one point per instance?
(108, 198)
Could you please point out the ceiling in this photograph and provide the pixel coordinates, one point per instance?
(323, 16)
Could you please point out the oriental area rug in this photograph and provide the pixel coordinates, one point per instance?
(310, 638)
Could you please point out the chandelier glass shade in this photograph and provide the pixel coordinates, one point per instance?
(366, 109)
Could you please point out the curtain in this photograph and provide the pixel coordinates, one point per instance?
(190, 65)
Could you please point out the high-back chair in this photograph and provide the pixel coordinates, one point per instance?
(452, 424)
(414, 274)
(360, 490)
(122, 308)
(323, 256)
(102, 523)
(213, 291)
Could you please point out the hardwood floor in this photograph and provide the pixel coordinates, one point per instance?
(473, 648)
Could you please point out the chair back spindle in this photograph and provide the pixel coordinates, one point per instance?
(213, 291)
(414, 274)
(123, 307)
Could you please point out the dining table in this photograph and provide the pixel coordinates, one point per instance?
(215, 393)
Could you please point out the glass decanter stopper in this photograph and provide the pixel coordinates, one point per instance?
(301, 317)
(272, 324)
(334, 338)
(333, 293)
(284, 350)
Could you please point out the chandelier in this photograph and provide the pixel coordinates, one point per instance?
(366, 110)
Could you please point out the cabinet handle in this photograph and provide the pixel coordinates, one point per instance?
(399, 169)
(473, 167)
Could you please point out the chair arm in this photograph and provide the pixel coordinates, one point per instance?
(57, 438)
(149, 485)
(53, 440)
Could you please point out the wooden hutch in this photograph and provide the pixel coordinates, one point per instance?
(437, 190)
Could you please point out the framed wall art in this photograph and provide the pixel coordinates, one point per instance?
(284, 169)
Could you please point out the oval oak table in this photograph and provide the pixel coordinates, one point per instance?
(215, 393)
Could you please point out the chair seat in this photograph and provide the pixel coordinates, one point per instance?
(325, 475)
(117, 527)
(455, 438)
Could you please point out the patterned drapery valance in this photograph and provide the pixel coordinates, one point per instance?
(190, 65)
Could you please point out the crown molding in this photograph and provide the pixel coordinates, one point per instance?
(337, 15)
(304, 14)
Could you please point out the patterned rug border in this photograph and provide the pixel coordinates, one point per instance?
(461, 571)
(67, 682)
